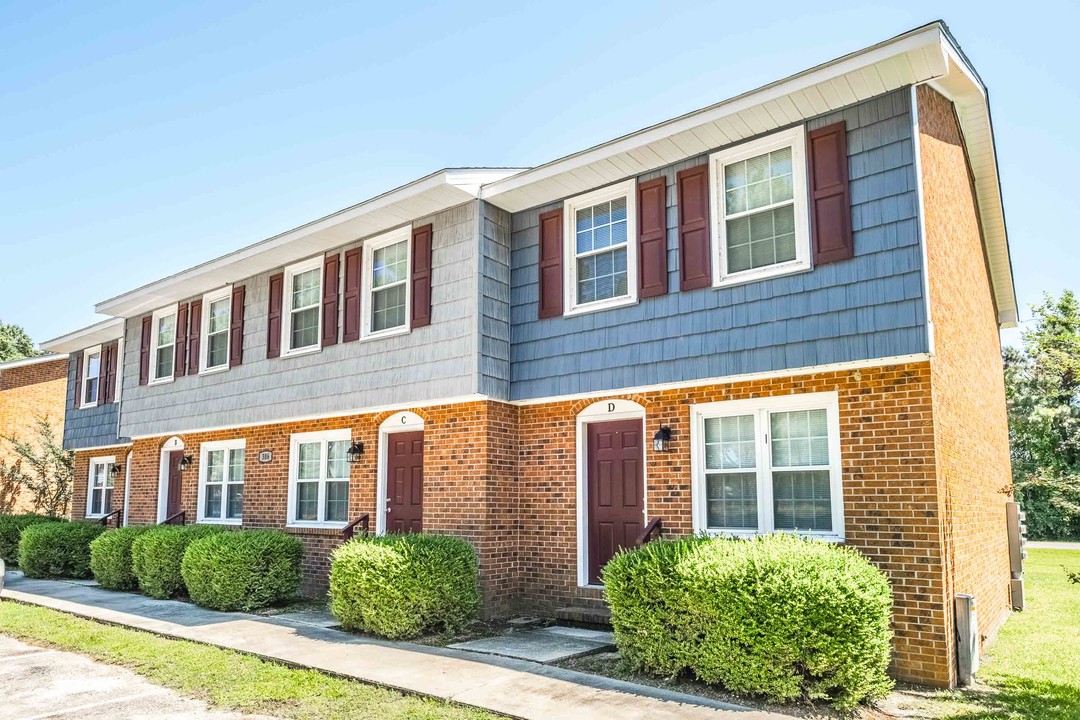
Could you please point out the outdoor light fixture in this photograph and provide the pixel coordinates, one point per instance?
(185, 462)
(661, 441)
(115, 469)
(354, 452)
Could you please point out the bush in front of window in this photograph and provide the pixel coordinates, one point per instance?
(400, 586)
(243, 570)
(157, 553)
(57, 549)
(11, 527)
(110, 558)
(778, 616)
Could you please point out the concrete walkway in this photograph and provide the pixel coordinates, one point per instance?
(1053, 545)
(516, 688)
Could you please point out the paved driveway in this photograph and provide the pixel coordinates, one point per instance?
(36, 683)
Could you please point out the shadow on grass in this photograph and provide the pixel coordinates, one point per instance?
(1019, 699)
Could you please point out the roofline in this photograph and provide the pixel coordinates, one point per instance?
(109, 329)
(35, 360)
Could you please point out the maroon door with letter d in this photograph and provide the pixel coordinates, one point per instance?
(176, 483)
(405, 482)
(616, 489)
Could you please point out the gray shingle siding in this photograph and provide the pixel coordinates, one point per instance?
(494, 302)
(436, 361)
(867, 307)
(92, 427)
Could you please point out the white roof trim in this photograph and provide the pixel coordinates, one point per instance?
(102, 332)
(438, 191)
(36, 360)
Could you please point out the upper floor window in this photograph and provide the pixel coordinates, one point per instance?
(221, 486)
(99, 487)
(163, 329)
(760, 208)
(215, 329)
(768, 464)
(602, 267)
(386, 283)
(91, 374)
(303, 305)
(319, 478)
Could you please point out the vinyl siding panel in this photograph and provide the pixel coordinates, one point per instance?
(494, 302)
(867, 307)
(436, 361)
(94, 426)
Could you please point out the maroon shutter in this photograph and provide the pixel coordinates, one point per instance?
(551, 273)
(144, 349)
(103, 374)
(652, 238)
(78, 379)
(830, 198)
(236, 327)
(695, 255)
(113, 349)
(331, 267)
(273, 315)
(180, 354)
(421, 276)
(193, 335)
(351, 331)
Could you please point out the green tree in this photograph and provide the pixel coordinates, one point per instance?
(1042, 382)
(15, 344)
(42, 469)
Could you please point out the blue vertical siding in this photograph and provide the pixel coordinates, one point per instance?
(92, 427)
(867, 307)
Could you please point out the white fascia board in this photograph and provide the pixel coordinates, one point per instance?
(36, 360)
(96, 334)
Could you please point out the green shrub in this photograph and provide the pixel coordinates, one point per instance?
(110, 558)
(399, 586)
(156, 555)
(243, 570)
(777, 615)
(11, 527)
(57, 549)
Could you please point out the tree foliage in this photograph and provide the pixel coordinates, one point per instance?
(1042, 382)
(42, 470)
(15, 344)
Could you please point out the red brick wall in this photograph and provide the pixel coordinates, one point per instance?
(970, 423)
(27, 392)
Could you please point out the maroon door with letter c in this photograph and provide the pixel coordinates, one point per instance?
(176, 483)
(405, 482)
(616, 490)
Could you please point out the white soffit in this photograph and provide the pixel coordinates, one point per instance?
(89, 336)
(438, 191)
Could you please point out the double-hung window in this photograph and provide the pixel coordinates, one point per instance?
(319, 478)
(99, 487)
(599, 232)
(216, 311)
(303, 306)
(769, 464)
(164, 344)
(91, 375)
(386, 283)
(221, 481)
(760, 208)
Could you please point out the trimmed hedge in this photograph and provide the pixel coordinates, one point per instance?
(157, 553)
(243, 570)
(110, 558)
(399, 586)
(57, 549)
(776, 615)
(11, 527)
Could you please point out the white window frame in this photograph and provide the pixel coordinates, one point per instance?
(761, 408)
(626, 189)
(367, 291)
(287, 311)
(795, 138)
(108, 461)
(158, 315)
(204, 468)
(224, 293)
(324, 437)
(85, 373)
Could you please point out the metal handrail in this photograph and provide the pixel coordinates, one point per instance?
(115, 513)
(655, 526)
(177, 519)
(349, 530)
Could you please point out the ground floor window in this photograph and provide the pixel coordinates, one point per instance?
(221, 481)
(100, 487)
(768, 464)
(319, 478)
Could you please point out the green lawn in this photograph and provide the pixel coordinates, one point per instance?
(227, 680)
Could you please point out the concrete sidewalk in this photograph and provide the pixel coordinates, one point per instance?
(516, 688)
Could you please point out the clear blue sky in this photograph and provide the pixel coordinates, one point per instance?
(137, 139)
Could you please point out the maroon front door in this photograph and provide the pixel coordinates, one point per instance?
(176, 483)
(616, 490)
(405, 482)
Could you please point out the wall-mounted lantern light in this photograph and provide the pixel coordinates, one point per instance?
(354, 452)
(115, 469)
(185, 462)
(661, 441)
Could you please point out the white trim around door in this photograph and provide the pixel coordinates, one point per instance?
(399, 422)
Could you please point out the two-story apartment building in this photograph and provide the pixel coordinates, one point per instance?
(777, 313)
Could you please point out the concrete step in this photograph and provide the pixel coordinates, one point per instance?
(586, 617)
